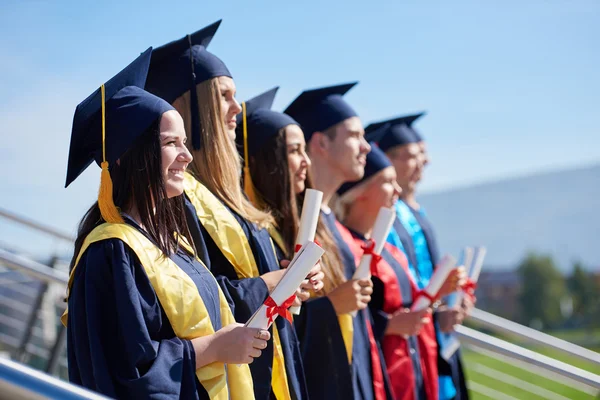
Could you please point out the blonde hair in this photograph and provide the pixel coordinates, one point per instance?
(341, 204)
(217, 163)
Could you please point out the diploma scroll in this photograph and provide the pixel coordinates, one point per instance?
(309, 218)
(381, 229)
(453, 344)
(296, 272)
(440, 274)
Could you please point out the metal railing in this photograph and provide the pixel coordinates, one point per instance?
(18, 381)
(490, 346)
(36, 226)
(493, 344)
(504, 326)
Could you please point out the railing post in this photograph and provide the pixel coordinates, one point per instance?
(56, 352)
(21, 352)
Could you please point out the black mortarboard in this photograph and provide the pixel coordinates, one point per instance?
(394, 132)
(317, 110)
(180, 65)
(107, 123)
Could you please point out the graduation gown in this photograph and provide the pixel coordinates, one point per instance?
(325, 350)
(411, 363)
(228, 237)
(450, 371)
(120, 341)
(453, 366)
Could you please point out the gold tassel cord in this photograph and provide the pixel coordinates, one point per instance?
(248, 185)
(109, 211)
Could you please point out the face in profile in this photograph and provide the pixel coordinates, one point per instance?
(407, 163)
(175, 156)
(382, 190)
(298, 160)
(348, 149)
(229, 105)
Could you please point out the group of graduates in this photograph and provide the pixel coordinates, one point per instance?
(195, 224)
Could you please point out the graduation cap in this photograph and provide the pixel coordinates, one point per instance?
(394, 132)
(255, 125)
(107, 123)
(319, 109)
(376, 161)
(182, 64)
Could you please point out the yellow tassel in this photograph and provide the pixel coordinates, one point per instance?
(106, 204)
(109, 211)
(249, 187)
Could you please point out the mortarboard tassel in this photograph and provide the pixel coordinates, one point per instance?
(196, 134)
(248, 185)
(109, 211)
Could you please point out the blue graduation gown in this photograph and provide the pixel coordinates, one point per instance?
(328, 374)
(119, 340)
(453, 366)
(245, 296)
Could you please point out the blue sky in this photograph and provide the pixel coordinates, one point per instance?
(510, 88)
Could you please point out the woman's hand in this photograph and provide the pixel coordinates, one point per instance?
(233, 344)
(351, 296)
(407, 323)
(456, 279)
(448, 317)
(272, 278)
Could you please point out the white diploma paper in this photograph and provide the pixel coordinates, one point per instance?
(302, 263)
(309, 218)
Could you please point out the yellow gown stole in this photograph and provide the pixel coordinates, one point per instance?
(229, 236)
(178, 295)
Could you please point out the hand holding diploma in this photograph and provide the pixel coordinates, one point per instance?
(372, 250)
(351, 296)
(283, 295)
(428, 295)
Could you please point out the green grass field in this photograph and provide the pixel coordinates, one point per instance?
(510, 380)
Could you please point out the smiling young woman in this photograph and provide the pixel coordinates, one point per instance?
(222, 220)
(128, 334)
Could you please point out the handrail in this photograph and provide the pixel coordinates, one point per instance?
(502, 325)
(478, 339)
(18, 381)
(35, 225)
(32, 268)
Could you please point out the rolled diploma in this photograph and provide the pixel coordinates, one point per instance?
(381, 230)
(442, 270)
(467, 258)
(457, 296)
(308, 223)
(302, 263)
(454, 344)
(475, 270)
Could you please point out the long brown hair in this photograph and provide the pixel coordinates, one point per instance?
(273, 186)
(272, 180)
(217, 163)
(138, 183)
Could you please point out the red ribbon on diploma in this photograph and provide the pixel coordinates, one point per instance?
(273, 309)
(299, 246)
(470, 286)
(423, 293)
(369, 248)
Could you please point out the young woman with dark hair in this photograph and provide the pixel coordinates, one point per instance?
(145, 317)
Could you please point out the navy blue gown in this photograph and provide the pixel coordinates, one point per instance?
(245, 296)
(119, 340)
